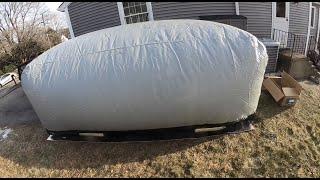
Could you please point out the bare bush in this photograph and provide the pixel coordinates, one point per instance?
(26, 30)
(20, 20)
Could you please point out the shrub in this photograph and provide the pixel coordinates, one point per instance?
(9, 68)
(28, 49)
(5, 60)
(25, 51)
(54, 37)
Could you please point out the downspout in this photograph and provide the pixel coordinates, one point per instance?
(69, 22)
(307, 44)
(318, 29)
(237, 8)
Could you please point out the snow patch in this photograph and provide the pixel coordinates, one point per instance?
(4, 133)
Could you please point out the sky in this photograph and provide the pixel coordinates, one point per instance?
(53, 6)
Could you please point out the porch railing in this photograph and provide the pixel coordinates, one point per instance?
(295, 43)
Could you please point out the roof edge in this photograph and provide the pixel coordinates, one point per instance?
(63, 6)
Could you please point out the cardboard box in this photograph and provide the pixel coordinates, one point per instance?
(285, 90)
(295, 64)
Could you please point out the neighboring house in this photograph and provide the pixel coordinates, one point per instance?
(263, 19)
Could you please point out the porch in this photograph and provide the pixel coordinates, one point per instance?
(295, 43)
(293, 56)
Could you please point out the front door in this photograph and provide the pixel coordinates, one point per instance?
(281, 20)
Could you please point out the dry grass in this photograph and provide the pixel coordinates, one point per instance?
(285, 143)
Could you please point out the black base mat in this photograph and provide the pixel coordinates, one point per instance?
(191, 132)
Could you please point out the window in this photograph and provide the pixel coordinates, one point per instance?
(313, 11)
(134, 12)
(281, 9)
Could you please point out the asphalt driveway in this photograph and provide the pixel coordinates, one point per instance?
(15, 108)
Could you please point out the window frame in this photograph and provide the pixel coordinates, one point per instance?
(122, 15)
(314, 17)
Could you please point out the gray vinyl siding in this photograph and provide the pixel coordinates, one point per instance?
(87, 17)
(298, 24)
(299, 17)
(190, 10)
(259, 17)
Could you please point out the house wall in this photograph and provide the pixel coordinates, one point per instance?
(298, 25)
(299, 17)
(87, 17)
(259, 16)
(191, 10)
(92, 16)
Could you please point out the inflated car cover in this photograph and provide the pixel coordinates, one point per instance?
(148, 75)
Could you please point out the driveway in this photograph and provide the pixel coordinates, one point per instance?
(15, 108)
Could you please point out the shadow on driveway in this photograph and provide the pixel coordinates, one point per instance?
(15, 108)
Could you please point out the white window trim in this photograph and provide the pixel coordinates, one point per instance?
(122, 16)
(237, 8)
(318, 29)
(149, 9)
(314, 17)
(309, 23)
(121, 13)
(136, 14)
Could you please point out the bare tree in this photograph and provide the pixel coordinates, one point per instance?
(26, 30)
(55, 21)
(20, 21)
